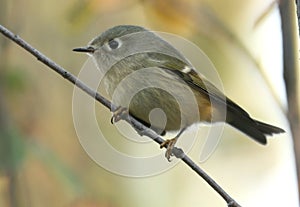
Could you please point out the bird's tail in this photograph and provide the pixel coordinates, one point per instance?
(255, 129)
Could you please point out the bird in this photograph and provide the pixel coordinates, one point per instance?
(149, 73)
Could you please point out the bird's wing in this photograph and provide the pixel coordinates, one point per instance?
(189, 75)
(195, 80)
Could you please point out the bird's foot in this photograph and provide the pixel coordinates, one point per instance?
(118, 114)
(169, 144)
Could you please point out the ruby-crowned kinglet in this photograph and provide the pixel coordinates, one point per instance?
(143, 72)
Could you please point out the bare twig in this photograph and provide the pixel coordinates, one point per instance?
(265, 13)
(136, 124)
(290, 55)
(298, 15)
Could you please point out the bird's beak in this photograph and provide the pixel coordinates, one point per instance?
(87, 49)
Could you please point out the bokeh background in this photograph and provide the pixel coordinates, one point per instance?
(41, 160)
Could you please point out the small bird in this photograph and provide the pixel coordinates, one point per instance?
(143, 72)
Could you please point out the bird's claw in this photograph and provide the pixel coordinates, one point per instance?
(169, 144)
(119, 114)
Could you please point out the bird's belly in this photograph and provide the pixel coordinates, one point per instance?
(163, 101)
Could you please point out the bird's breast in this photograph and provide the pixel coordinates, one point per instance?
(157, 97)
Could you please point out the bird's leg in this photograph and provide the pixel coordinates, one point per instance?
(118, 114)
(170, 144)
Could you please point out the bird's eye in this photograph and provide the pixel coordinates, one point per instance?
(113, 44)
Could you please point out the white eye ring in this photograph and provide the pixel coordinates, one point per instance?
(114, 44)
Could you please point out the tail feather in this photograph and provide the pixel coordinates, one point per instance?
(255, 129)
(240, 119)
(267, 128)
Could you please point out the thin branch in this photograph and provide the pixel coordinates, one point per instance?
(298, 15)
(290, 60)
(265, 13)
(143, 130)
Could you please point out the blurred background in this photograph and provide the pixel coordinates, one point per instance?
(41, 160)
